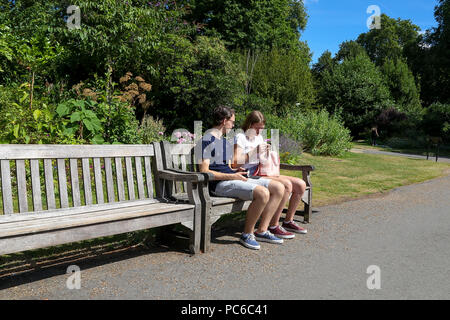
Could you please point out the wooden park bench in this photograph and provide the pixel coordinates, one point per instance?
(180, 158)
(56, 194)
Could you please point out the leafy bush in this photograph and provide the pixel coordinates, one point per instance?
(318, 132)
(151, 130)
(290, 150)
(23, 125)
(436, 121)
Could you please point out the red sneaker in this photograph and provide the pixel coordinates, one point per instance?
(294, 227)
(280, 232)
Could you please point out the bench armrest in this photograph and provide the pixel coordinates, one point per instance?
(207, 176)
(304, 169)
(298, 168)
(179, 175)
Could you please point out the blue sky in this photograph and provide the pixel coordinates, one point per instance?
(332, 22)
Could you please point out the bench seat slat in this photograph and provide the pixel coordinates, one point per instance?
(8, 218)
(83, 219)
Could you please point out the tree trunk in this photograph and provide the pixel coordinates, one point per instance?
(31, 90)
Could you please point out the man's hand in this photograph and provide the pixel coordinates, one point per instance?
(239, 176)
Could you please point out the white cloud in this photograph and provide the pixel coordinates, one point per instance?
(310, 1)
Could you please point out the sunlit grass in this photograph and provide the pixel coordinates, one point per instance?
(357, 174)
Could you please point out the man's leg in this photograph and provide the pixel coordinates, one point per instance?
(261, 197)
(276, 190)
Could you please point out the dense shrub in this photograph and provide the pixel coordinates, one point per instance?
(151, 130)
(436, 121)
(318, 132)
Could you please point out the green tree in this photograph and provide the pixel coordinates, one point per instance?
(402, 86)
(251, 24)
(349, 49)
(285, 78)
(324, 63)
(355, 89)
(432, 60)
(390, 41)
(436, 121)
(192, 79)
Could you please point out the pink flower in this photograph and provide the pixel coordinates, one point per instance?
(161, 133)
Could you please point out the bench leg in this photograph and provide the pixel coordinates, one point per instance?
(206, 229)
(308, 208)
(307, 213)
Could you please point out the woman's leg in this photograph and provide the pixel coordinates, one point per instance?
(293, 185)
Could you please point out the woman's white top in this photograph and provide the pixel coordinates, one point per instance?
(247, 145)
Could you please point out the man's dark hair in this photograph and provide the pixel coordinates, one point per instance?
(220, 113)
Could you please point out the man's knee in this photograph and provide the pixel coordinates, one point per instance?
(261, 193)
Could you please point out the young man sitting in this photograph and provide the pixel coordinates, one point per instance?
(265, 194)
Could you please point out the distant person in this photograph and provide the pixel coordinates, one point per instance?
(374, 135)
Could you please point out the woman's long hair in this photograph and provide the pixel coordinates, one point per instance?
(252, 118)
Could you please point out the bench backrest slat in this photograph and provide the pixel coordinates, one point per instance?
(49, 184)
(6, 187)
(98, 180)
(62, 182)
(109, 180)
(148, 176)
(36, 185)
(22, 186)
(130, 179)
(51, 177)
(87, 181)
(139, 177)
(75, 182)
(119, 175)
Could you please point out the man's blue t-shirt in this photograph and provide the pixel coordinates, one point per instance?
(220, 152)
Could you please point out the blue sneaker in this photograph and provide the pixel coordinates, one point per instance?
(268, 237)
(249, 241)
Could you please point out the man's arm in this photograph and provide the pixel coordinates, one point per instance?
(204, 167)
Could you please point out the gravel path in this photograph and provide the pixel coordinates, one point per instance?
(405, 232)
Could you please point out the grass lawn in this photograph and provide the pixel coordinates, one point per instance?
(356, 174)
